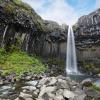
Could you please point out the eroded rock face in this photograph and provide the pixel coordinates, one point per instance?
(19, 22)
(87, 32)
(87, 29)
(56, 38)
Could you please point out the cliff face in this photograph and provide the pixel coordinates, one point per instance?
(19, 22)
(21, 26)
(87, 31)
(56, 39)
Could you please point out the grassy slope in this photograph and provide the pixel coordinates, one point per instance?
(19, 62)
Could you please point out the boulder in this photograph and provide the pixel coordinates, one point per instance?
(25, 96)
(30, 88)
(69, 94)
(44, 81)
(59, 92)
(86, 83)
(53, 81)
(59, 97)
(33, 83)
(62, 84)
(80, 97)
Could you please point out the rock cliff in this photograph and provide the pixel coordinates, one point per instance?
(87, 31)
(18, 21)
(21, 26)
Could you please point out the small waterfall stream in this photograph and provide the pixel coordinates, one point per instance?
(27, 40)
(2, 43)
(71, 63)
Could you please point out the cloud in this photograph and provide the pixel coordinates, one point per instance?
(56, 10)
(63, 11)
(97, 4)
(36, 4)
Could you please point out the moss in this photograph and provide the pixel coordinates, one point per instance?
(22, 5)
(9, 8)
(93, 49)
(92, 68)
(97, 98)
(16, 8)
(55, 61)
(1, 1)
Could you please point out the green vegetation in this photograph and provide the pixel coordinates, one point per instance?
(19, 62)
(22, 5)
(17, 7)
(1, 1)
(14, 4)
(96, 87)
(92, 68)
(9, 8)
(56, 61)
(97, 98)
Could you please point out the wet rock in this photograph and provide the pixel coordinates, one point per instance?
(53, 81)
(1, 82)
(62, 84)
(50, 88)
(45, 89)
(17, 98)
(44, 81)
(59, 97)
(45, 96)
(25, 96)
(92, 93)
(69, 94)
(4, 88)
(30, 88)
(36, 92)
(28, 77)
(33, 83)
(80, 97)
(86, 83)
(59, 92)
(98, 75)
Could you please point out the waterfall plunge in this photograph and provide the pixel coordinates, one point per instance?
(2, 43)
(71, 63)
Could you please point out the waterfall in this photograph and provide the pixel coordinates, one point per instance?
(2, 43)
(27, 40)
(71, 63)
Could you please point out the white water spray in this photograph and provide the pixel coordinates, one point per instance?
(71, 63)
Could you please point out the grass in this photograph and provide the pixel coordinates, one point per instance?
(20, 62)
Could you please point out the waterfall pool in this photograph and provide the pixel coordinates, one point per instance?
(80, 78)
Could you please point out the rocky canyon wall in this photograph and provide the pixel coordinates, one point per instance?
(20, 26)
(87, 31)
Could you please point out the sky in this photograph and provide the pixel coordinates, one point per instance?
(63, 11)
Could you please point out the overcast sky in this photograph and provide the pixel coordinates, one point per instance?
(63, 11)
